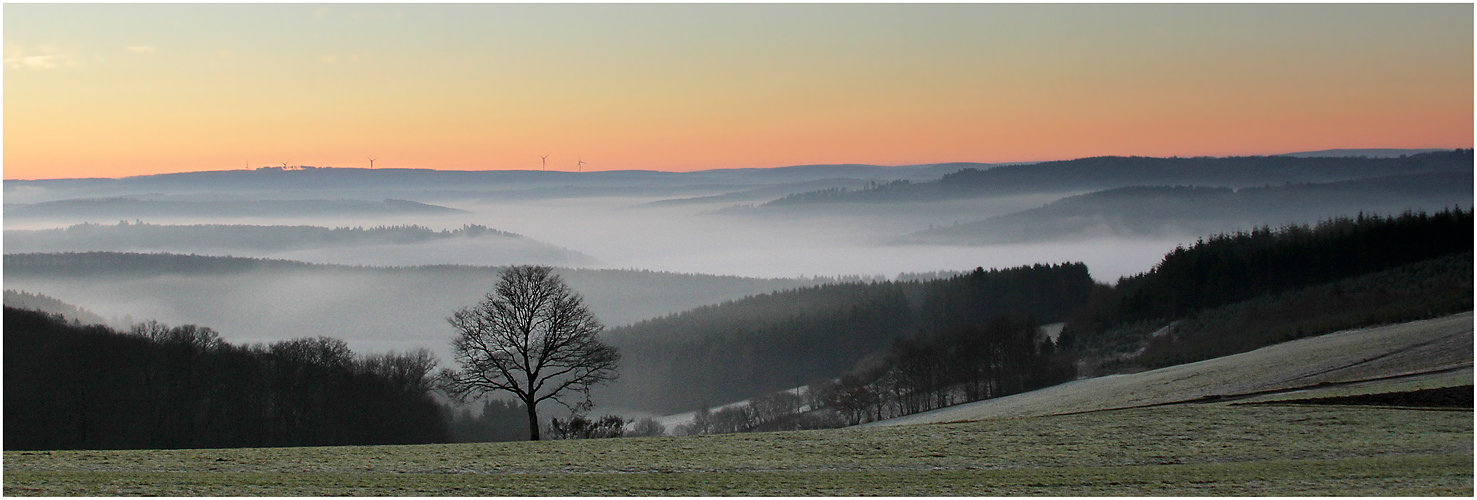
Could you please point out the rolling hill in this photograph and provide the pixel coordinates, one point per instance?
(270, 241)
(314, 182)
(1159, 211)
(1108, 172)
(128, 208)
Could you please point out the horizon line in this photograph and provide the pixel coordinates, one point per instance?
(293, 168)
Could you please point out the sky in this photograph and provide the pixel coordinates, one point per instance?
(118, 90)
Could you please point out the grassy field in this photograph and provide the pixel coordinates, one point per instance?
(1210, 449)
(1090, 437)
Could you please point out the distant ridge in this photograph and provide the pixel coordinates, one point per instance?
(265, 241)
(131, 208)
(1107, 172)
(1156, 211)
(1367, 153)
(328, 177)
(330, 182)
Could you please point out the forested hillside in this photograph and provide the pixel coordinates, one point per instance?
(1232, 267)
(91, 387)
(759, 344)
(24, 300)
(915, 346)
(1107, 172)
(1280, 279)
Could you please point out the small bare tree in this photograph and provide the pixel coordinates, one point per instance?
(533, 337)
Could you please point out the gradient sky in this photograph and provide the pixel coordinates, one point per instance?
(116, 90)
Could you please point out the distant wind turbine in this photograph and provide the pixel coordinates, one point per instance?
(581, 165)
(284, 165)
(544, 161)
(371, 163)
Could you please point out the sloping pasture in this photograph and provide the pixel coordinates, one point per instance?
(1438, 349)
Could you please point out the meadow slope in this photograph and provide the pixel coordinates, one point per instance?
(1435, 349)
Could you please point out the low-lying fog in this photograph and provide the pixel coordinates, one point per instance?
(621, 233)
(393, 310)
(695, 240)
(616, 232)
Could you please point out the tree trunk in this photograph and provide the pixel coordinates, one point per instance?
(532, 421)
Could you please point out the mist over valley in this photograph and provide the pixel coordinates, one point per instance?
(738, 249)
(270, 255)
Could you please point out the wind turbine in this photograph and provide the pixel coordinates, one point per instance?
(544, 161)
(581, 165)
(371, 163)
(284, 165)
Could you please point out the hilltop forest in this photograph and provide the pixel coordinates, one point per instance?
(1238, 291)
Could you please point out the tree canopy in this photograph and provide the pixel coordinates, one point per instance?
(531, 337)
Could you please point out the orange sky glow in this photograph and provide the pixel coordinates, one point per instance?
(119, 90)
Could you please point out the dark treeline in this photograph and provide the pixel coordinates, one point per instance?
(1230, 269)
(977, 337)
(238, 236)
(1233, 267)
(91, 387)
(1045, 293)
(764, 343)
(499, 420)
(1422, 290)
(737, 349)
(831, 194)
(961, 363)
(1107, 172)
(964, 362)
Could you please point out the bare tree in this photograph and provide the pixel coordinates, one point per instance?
(533, 337)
